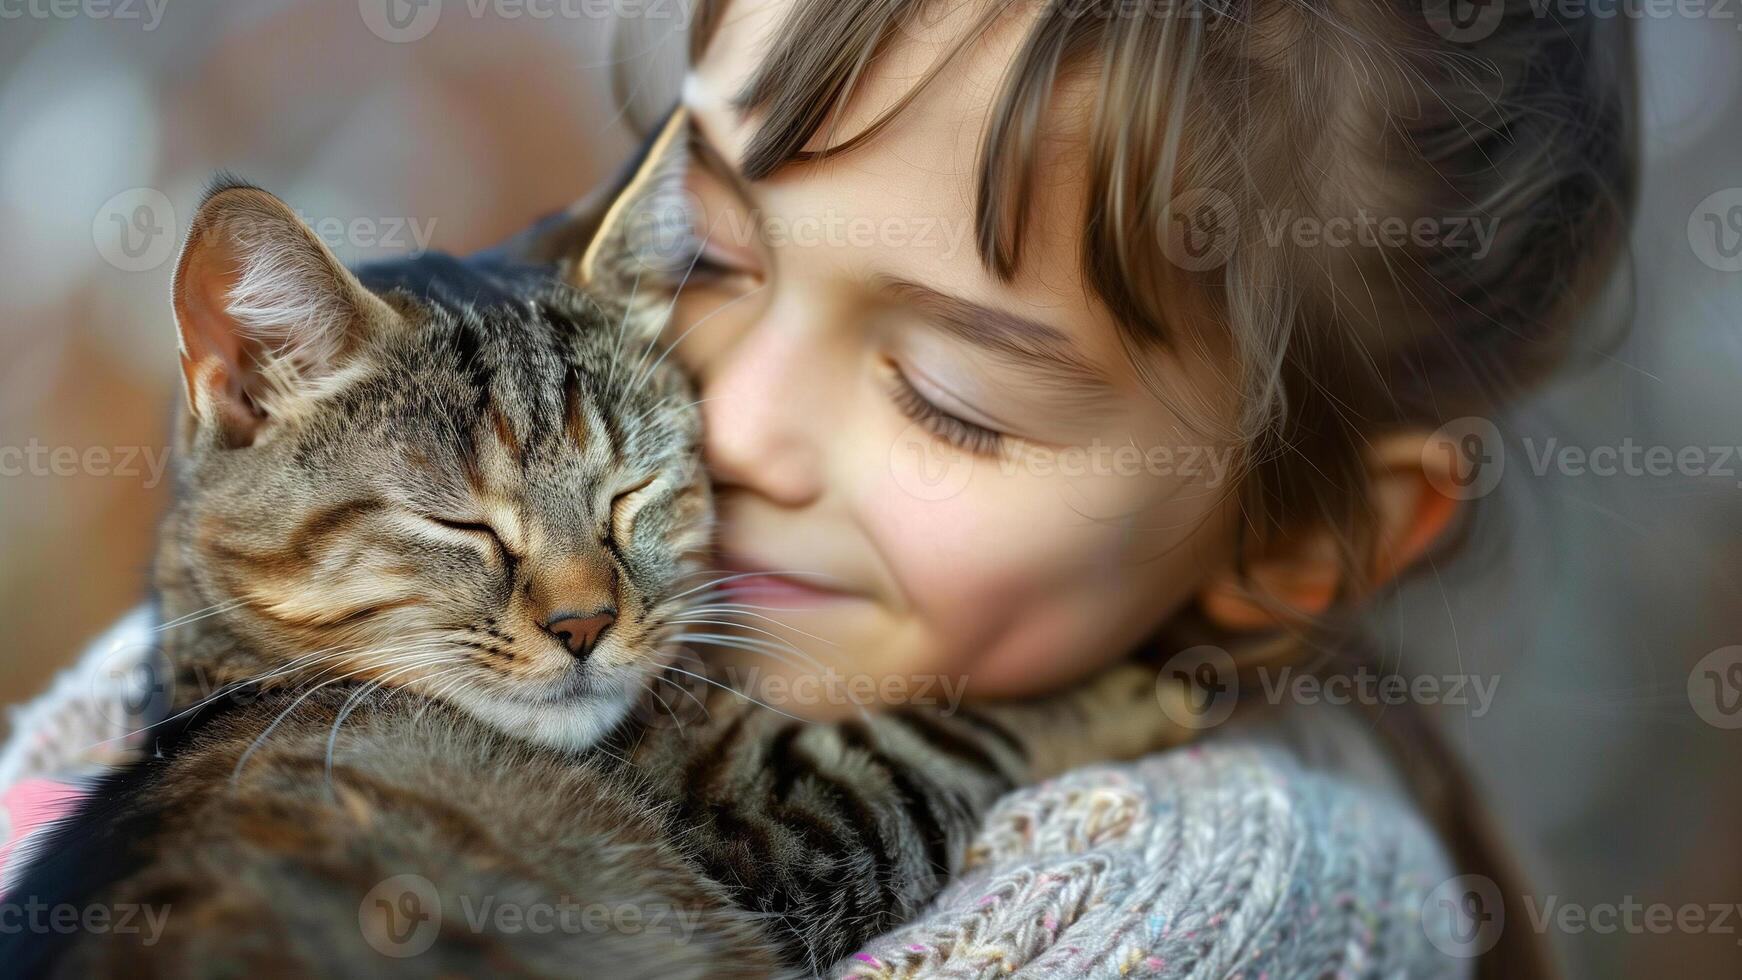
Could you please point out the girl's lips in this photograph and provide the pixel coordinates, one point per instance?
(749, 584)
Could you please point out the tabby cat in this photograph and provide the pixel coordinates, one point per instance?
(438, 522)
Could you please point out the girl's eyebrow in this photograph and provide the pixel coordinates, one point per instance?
(1019, 338)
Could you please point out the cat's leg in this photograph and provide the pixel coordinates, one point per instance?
(840, 831)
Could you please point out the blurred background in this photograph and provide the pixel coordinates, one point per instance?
(1605, 605)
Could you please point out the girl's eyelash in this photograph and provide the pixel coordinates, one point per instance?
(690, 262)
(957, 432)
(707, 269)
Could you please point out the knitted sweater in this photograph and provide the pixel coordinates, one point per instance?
(1276, 848)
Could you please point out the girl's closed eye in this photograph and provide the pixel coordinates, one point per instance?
(955, 431)
(690, 257)
(714, 264)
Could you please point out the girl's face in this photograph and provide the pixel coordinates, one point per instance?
(962, 478)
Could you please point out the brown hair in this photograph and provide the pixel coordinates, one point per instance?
(1254, 113)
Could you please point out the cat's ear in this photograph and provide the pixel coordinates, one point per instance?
(264, 311)
(628, 227)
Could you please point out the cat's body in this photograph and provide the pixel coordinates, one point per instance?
(437, 525)
(773, 851)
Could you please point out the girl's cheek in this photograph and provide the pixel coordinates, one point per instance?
(1031, 580)
(999, 550)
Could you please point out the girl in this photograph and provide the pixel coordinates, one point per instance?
(1035, 334)
(1272, 247)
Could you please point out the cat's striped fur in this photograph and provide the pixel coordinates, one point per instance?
(396, 487)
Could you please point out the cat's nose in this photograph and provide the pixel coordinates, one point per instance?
(580, 633)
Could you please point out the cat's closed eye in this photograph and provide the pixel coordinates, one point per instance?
(478, 530)
(624, 505)
(464, 527)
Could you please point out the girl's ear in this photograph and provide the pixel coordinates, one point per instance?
(1300, 577)
(263, 309)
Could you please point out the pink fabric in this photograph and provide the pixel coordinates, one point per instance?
(26, 808)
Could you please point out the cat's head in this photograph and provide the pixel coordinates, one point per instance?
(464, 478)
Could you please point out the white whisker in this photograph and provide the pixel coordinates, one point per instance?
(723, 611)
(222, 607)
(734, 691)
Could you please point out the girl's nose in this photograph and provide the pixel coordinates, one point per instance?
(762, 419)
